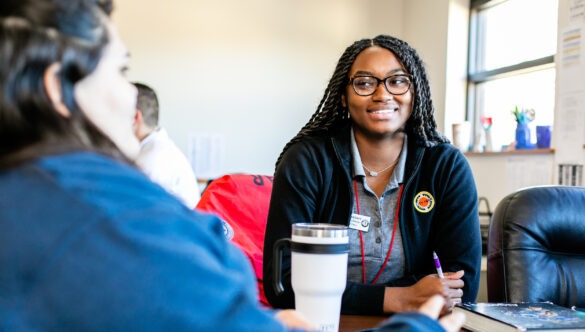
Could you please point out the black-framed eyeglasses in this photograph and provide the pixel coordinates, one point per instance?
(367, 85)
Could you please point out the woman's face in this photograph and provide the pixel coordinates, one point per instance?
(108, 99)
(380, 114)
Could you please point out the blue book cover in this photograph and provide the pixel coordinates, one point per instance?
(539, 316)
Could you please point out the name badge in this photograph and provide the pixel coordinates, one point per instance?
(359, 222)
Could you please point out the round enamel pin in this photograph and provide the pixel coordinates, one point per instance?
(424, 202)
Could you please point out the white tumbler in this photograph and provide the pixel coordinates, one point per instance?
(318, 271)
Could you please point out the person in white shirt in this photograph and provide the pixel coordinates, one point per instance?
(159, 157)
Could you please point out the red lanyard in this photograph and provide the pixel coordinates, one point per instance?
(357, 204)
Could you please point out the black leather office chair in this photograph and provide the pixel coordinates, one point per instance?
(536, 248)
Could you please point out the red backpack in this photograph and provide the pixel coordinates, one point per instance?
(241, 201)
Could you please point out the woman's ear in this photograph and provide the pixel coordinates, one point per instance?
(343, 101)
(138, 124)
(53, 89)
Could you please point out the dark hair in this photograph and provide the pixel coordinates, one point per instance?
(330, 114)
(34, 34)
(147, 103)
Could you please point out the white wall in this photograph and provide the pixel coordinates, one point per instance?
(499, 175)
(438, 30)
(252, 71)
(425, 28)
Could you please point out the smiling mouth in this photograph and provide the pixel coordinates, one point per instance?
(385, 111)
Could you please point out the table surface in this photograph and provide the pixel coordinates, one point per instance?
(354, 323)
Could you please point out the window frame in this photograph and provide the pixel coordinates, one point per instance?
(476, 77)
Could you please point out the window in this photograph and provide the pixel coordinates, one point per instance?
(511, 63)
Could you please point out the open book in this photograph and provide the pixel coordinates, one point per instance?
(539, 316)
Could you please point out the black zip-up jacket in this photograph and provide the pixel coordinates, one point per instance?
(313, 184)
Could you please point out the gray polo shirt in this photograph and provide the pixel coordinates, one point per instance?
(381, 211)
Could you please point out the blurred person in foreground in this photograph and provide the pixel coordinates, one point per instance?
(87, 242)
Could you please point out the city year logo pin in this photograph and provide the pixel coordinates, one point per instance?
(424, 202)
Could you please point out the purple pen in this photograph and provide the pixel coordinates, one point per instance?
(438, 265)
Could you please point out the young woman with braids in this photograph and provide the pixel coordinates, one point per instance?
(371, 158)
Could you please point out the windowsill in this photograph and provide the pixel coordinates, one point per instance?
(511, 152)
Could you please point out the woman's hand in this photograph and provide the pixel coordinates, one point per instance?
(453, 289)
(293, 320)
(397, 299)
(434, 306)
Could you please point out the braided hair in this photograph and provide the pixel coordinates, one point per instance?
(330, 114)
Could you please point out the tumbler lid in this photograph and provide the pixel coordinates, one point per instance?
(319, 230)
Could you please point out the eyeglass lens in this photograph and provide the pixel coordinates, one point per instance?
(366, 85)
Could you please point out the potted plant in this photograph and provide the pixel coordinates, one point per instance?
(523, 118)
